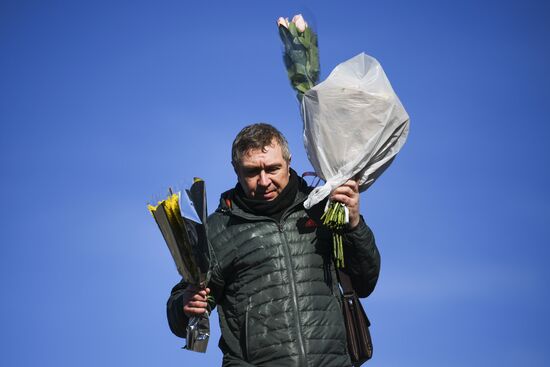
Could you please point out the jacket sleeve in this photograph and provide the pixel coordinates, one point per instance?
(177, 320)
(361, 258)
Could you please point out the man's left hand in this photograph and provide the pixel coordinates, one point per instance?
(348, 194)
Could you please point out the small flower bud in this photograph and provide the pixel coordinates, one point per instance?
(300, 23)
(282, 22)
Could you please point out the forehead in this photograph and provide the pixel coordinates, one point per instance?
(270, 154)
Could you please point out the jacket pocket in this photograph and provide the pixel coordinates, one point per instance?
(266, 326)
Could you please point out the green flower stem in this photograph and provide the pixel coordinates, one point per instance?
(334, 218)
(301, 57)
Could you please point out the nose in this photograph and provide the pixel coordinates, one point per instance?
(264, 180)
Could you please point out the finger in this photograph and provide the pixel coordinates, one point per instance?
(198, 297)
(204, 292)
(190, 311)
(353, 184)
(197, 304)
(344, 190)
(346, 200)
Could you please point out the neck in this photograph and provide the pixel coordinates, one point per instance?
(274, 208)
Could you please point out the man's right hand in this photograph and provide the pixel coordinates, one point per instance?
(194, 301)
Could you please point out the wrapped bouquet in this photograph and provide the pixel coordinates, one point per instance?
(354, 123)
(182, 221)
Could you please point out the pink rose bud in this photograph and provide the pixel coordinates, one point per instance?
(282, 22)
(300, 23)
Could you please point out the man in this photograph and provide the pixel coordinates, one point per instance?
(274, 280)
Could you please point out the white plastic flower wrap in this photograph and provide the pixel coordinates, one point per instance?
(354, 125)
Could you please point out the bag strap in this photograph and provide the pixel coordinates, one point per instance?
(345, 283)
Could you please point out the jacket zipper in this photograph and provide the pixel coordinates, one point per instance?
(288, 261)
(246, 324)
(297, 319)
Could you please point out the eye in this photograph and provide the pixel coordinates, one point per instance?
(251, 172)
(273, 169)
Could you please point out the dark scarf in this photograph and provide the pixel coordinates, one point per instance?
(274, 208)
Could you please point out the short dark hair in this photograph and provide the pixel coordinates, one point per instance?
(257, 136)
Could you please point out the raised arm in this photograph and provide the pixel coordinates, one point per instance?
(361, 256)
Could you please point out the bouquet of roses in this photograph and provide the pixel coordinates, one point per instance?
(301, 55)
(354, 123)
(182, 221)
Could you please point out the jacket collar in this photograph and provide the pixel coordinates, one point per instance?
(228, 206)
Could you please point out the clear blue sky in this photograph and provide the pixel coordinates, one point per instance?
(104, 104)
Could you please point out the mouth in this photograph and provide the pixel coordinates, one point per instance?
(269, 195)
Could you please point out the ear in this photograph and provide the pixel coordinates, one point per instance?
(289, 160)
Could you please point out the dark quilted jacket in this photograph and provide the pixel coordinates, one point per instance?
(276, 289)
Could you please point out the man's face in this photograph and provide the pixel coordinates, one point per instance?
(263, 174)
